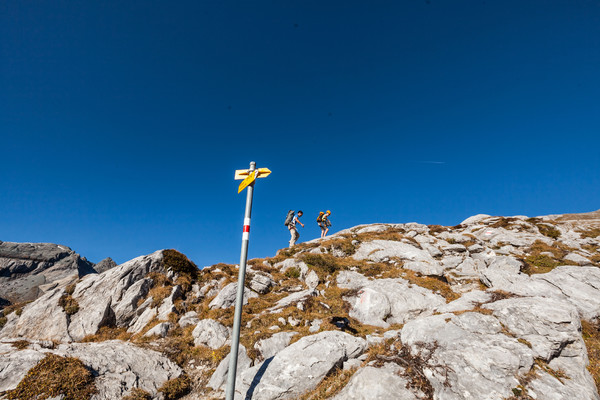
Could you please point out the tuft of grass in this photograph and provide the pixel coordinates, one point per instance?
(53, 376)
(324, 263)
(69, 304)
(137, 394)
(435, 284)
(108, 333)
(549, 230)
(591, 337)
(342, 243)
(3, 321)
(590, 233)
(433, 229)
(179, 263)
(293, 273)
(330, 386)
(176, 388)
(538, 263)
(20, 344)
(70, 289)
(504, 222)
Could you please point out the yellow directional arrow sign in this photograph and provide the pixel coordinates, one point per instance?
(249, 179)
(243, 173)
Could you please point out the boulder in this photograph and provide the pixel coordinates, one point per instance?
(160, 330)
(227, 295)
(392, 301)
(467, 355)
(299, 367)
(188, 319)
(118, 366)
(211, 333)
(261, 282)
(273, 345)
(218, 379)
(376, 384)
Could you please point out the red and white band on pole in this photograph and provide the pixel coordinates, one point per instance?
(246, 230)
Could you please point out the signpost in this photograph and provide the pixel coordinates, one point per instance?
(248, 177)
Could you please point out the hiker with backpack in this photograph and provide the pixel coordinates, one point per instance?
(290, 222)
(323, 222)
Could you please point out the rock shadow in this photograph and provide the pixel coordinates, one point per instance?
(257, 378)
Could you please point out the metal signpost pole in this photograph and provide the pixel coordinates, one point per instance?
(235, 341)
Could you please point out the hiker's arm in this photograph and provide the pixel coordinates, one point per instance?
(298, 221)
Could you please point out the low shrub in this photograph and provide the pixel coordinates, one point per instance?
(137, 394)
(53, 376)
(178, 262)
(548, 230)
(293, 273)
(323, 262)
(176, 388)
(69, 304)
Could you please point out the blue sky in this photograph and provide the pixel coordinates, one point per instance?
(122, 123)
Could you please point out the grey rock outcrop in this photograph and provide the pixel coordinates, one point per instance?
(376, 384)
(299, 367)
(118, 366)
(105, 265)
(99, 297)
(24, 267)
(211, 333)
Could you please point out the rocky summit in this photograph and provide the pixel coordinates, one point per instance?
(493, 308)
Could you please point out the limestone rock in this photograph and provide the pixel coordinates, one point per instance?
(273, 345)
(261, 283)
(105, 265)
(468, 355)
(211, 333)
(299, 367)
(376, 384)
(388, 301)
(118, 366)
(159, 330)
(226, 297)
(24, 267)
(218, 379)
(188, 319)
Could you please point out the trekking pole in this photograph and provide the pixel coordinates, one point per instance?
(250, 177)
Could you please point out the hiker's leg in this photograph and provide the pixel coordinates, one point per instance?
(292, 238)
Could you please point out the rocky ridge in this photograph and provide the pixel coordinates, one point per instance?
(493, 308)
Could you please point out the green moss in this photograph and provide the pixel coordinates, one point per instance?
(53, 376)
(293, 272)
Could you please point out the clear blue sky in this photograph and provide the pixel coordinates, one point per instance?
(121, 123)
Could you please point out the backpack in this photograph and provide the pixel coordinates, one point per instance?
(289, 217)
(320, 217)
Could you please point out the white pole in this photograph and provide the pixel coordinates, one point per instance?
(237, 320)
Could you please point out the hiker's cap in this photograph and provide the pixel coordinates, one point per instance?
(328, 212)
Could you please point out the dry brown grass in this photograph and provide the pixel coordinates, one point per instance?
(108, 333)
(538, 263)
(591, 337)
(53, 376)
(590, 233)
(175, 388)
(68, 304)
(20, 344)
(433, 229)
(414, 365)
(137, 394)
(341, 243)
(436, 285)
(330, 386)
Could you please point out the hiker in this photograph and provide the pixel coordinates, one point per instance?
(323, 222)
(291, 222)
